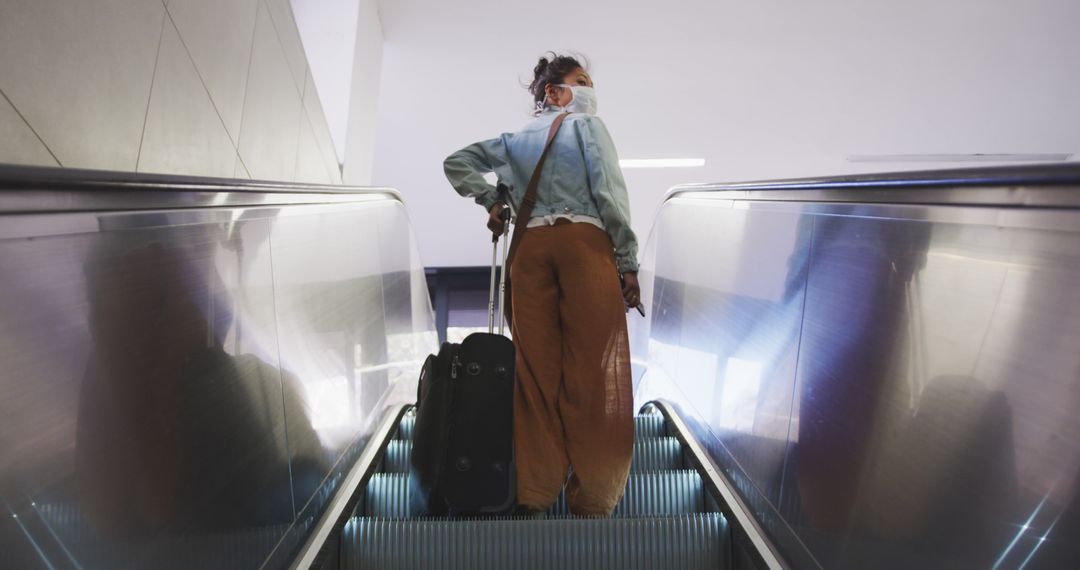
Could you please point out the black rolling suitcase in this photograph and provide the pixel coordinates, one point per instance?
(462, 460)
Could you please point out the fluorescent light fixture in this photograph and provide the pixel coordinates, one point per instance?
(662, 163)
(976, 157)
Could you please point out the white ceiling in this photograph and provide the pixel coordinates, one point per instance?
(763, 89)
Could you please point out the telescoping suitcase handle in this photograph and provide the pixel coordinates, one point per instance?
(504, 195)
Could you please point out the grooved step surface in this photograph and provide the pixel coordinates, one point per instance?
(387, 496)
(405, 428)
(396, 459)
(656, 454)
(654, 494)
(645, 427)
(685, 542)
(647, 494)
(651, 425)
(653, 454)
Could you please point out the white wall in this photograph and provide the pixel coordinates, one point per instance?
(328, 31)
(198, 87)
(364, 96)
(759, 89)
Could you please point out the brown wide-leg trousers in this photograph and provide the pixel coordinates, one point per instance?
(573, 405)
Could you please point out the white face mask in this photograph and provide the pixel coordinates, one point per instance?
(584, 100)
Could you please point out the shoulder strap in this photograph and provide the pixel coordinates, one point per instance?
(524, 213)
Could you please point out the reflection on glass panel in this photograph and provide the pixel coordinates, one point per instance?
(177, 386)
(128, 347)
(723, 328)
(886, 388)
(741, 384)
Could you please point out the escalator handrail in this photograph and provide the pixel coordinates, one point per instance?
(341, 506)
(731, 504)
(26, 189)
(1044, 186)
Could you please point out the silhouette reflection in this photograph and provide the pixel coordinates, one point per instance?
(174, 434)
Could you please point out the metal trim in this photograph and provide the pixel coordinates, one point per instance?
(737, 510)
(40, 190)
(340, 507)
(1064, 219)
(1045, 186)
(36, 224)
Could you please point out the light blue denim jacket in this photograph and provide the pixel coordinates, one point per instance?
(581, 175)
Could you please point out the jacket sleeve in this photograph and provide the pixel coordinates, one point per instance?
(609, 190)
(465, 169)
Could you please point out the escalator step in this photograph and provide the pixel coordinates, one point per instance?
(651, 425)
(659, 493)
(647, 494)
(396, 459)
(688, 541)
(656, 454)
(405, 428)
(645, 426)
(653, 454)
(387, 495)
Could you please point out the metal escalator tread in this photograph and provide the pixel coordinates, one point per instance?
(656, 493)
(656, 454)
(660, 493)
(645, 426)
(662, 521)
(405, 428)
(650, 454)
(687, 541)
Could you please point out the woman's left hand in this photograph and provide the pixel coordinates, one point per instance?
(631, 291)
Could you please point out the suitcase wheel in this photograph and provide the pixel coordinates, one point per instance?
(474, 368)
(462, 464)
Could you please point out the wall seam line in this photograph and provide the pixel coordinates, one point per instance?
(303, 110)
(247, 85)
(203, 82)
(153, 80)
(299, 131)
(31, 127)
(299, 125)
(281, 45)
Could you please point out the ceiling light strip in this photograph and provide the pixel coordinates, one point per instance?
(662, 163)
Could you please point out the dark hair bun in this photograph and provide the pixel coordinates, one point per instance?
(548, 71)
(540, 67)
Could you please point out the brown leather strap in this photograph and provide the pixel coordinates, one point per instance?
(524, 213)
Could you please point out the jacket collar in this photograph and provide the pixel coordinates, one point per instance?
(552, 110)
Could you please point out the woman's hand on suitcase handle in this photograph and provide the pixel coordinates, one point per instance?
(496, 223)
(631, 291)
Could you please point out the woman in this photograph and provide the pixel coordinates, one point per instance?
(573, 405)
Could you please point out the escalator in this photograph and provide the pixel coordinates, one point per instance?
(869, 372)
(669, 517)
(664, 520)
